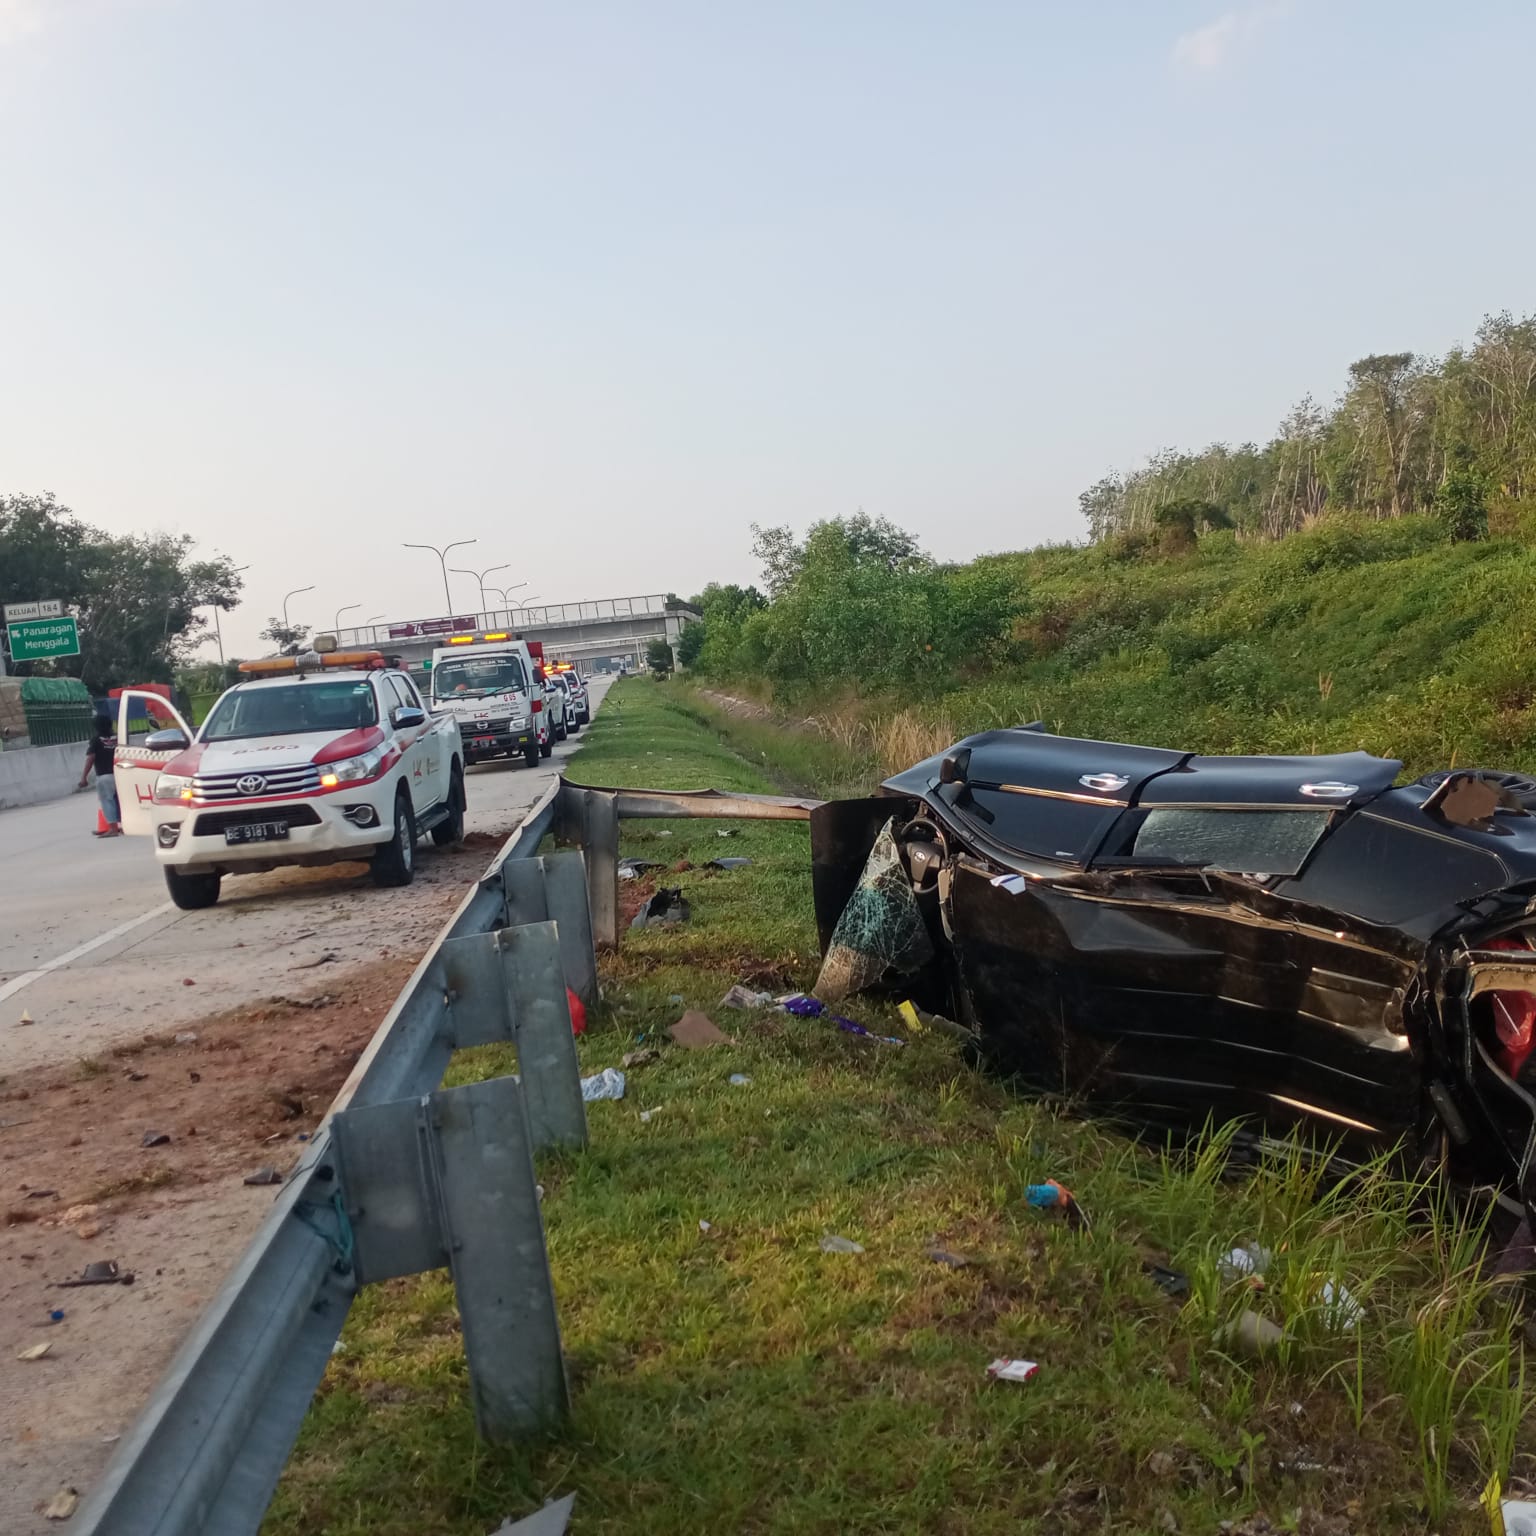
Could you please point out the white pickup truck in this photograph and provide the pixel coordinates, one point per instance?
(312, 760)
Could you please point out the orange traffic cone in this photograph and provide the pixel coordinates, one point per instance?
(102, 824)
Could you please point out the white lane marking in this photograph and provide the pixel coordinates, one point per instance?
(12, 987)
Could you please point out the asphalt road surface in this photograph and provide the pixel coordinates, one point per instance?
(92, 951)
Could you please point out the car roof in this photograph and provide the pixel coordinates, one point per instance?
(329, 674)
(1119, 773)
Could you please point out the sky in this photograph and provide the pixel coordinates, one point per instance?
(600, 285)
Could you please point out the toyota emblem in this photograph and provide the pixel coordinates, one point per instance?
(251, 784)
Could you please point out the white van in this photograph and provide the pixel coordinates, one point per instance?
(492, 684)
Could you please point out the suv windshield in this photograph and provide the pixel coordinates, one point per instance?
(326, 704)
(475, 676)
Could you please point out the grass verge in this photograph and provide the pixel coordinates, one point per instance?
(728, 1375)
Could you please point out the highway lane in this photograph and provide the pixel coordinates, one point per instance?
(92, 952)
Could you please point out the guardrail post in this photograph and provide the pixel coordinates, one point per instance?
(555, 886)
(600, 840)
(488, 1204)
(534, 978)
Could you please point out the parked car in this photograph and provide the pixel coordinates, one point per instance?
(1289, 942)
(573, 691)
(312, 760)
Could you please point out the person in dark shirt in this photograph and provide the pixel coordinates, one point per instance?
(99, 752)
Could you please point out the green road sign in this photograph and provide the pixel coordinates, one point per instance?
(38, 639)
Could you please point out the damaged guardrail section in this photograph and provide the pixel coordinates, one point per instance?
(404, 1175)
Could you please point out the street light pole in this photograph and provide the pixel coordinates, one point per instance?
(442, 560)
(504, 590)
(296, 591)
(336, 627)
(218, 632)
(480, 576)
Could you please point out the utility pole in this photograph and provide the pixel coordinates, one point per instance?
(480, 576)
(296, 591)
(442, 560)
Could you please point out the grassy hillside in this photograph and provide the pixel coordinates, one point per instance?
(1376, 635)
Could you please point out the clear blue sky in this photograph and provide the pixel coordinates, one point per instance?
(308, 279)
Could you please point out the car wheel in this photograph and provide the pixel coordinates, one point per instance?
(575, 724)
(395, 861)
(562, 731)
(191, 892)
(531, 754)
(451, 831)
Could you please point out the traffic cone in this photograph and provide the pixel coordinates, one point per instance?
(102, 824)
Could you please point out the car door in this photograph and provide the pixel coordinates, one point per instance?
(425, 772)
(135, 767)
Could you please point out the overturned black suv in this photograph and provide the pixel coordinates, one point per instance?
(1290, 942)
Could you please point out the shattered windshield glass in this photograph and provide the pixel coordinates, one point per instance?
(1240, 842)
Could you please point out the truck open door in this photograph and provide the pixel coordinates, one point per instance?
(140, 714)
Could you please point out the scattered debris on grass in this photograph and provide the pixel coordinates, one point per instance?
(607, 1084)
(1003, 1369)
(36, 1351)
(552, 1520)
(743, 997)
(667, 906)
(696, 1030)
(739, 1080)
(154, 1139)
(832, 1243)
(102, 1272)
(728, 864)
(947, 1259)
(1251, 1333)
(641, 1058)
(1051, 1196)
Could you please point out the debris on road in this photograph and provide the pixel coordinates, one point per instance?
(102, 1272)
(607, 1084)
(62, 1505)
(264, 1176)
(56, 1315)
(26, 1018)
(668, 906)
(1012, 1370)
(187, 981)
(832, 1243)
(743, 997)
(330, 957)
(186, 1037)
(154, 1139)
(696, 1030)
(37, 1351)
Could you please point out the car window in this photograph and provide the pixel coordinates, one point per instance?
(340, 704)
(406, 689)
(1043, 825)
(1385, 871)
(474, 676)
(400, 693)
(1238, 841)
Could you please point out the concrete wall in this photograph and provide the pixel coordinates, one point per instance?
(35, 774)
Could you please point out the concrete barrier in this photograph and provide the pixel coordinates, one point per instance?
(35, 774)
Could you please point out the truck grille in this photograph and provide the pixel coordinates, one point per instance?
(484, 727)
(212, 822)
(276, 781)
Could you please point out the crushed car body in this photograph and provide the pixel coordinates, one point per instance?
(1296, 943)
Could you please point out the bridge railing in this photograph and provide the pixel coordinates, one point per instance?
(550, 616)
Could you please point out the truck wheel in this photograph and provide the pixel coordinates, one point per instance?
(395, 861)
(531, 754)
(445, 833)
(562, 731)
(545, 748)
(191, 892)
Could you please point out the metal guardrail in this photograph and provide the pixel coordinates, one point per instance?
(402, 1176)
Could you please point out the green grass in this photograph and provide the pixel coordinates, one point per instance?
(741, 1380)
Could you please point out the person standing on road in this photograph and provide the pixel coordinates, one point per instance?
(99, 752)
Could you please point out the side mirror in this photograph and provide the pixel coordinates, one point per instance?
(955, 766)
(173, 740)
(405, 717)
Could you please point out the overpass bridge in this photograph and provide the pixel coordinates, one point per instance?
(597, 635)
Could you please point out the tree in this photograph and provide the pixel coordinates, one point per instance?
(288, 638)
(1461, 503)
(135, 597)
(1177, 522)
(690, 643)
(658, 657)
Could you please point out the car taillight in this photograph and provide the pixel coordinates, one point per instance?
(1514, 1017)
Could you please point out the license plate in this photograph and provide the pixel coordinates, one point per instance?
(256, 832)
(483, 741)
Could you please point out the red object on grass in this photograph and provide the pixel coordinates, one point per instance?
(578, 1013)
